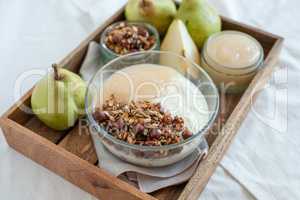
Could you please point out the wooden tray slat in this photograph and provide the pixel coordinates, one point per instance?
(79, 142)
(227, 105)
(169, 193)
(16, 113)
(38, 127)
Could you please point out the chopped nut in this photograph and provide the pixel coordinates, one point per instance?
(130, 140)
(126, 38)
(167, 118)
(141, 123)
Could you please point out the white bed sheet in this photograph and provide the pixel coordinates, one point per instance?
(262, 162)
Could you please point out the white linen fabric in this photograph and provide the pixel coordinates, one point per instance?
(149, 179)
(262, 163)
(91, 63)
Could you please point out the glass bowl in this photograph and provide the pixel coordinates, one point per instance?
(107, 54)
(152, 156)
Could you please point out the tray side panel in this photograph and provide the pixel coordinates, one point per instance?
(206, 168)
(72, 168)
(79, 142)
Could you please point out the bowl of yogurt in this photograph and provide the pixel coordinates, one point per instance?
(174, 84)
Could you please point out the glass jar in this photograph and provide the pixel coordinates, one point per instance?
(232, 59)
(108, 55)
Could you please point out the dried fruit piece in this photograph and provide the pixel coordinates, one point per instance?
(186, 134)
(100, 116)
(139, 129)
(155, 133)
(141, 123)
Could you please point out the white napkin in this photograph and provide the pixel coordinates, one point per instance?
(151, 183)
(147, 179)
(92, 62)
(117, 166)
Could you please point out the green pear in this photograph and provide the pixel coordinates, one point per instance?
(159, 13)
(201, 19)
(58, 99)
(184, 44)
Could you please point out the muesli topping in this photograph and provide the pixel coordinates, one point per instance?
(127, 38)
(141, 122)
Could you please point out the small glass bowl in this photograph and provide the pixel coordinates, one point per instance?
(107, 54)
(152, 156)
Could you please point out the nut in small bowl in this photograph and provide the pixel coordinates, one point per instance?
(127, 37)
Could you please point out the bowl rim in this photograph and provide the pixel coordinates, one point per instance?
(108, 136)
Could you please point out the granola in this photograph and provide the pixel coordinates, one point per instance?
(141, 123)
(127, 38)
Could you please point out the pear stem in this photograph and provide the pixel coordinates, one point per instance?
(56, 75)
(145, 3)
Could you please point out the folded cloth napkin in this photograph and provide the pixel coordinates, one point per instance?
(92, 62)
(147, 179)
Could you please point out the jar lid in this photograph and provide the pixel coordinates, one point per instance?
(233, 52)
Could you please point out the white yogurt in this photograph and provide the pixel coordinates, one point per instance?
(158, 83)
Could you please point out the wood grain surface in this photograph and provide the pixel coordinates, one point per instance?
(74, 169)
(79, 142)
(38, 127)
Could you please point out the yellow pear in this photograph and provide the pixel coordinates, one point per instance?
(179, 41)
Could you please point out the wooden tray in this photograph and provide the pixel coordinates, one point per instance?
(73, 157)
